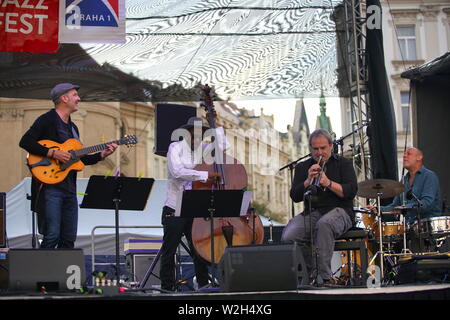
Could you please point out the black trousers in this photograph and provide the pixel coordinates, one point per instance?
(174, 228)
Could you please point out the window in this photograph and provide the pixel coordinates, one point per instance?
(404, 103)
(407, 42)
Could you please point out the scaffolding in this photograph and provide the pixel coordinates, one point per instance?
(357, 75)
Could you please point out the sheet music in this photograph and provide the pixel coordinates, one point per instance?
(179, 202)
(245, 202)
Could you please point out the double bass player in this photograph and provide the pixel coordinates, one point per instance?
(181, 173)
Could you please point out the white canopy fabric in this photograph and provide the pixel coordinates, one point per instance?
(19, 220)
(246, 49)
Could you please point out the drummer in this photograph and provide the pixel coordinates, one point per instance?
(421, 189)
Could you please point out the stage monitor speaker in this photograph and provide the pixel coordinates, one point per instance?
(138, 264)
(2, 219)
(35, 269)
(169, 117)
(426, 268)
(261, 268)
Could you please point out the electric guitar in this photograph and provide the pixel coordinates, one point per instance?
(52, 171)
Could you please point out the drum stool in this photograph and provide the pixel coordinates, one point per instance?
(354, 240)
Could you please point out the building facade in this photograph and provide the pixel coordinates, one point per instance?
(414, 32)
(101, 122)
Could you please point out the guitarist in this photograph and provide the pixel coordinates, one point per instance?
(57, 203)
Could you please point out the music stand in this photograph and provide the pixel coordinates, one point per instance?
(117, 193)
(213, 204)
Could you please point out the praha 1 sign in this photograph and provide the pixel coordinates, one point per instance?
(29, 25)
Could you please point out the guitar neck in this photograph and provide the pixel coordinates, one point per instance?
(97, 148)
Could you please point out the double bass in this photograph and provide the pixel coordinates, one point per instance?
(234, 231)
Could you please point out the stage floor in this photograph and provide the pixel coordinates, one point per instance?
(397, 292)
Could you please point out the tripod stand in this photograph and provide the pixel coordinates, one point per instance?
(379, 189)
(151, 269)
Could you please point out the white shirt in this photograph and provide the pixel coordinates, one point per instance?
(181, 161)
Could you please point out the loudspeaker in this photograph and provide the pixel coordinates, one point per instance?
(169, 117)
(261, 268)
(35, 269)
(137, 264)
(425, 269)
(2, 219)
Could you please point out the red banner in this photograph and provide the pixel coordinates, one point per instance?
(29, 25)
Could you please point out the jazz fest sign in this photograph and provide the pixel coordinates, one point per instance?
(28, 25)
(39, 25)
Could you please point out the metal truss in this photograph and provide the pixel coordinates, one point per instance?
(357, 71)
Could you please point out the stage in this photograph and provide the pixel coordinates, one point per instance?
(434, 291)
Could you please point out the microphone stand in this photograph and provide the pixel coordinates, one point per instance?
(312, 190)
(291, 167)
(340, 141)
(33, 224)
(411, 195)
(405, 250)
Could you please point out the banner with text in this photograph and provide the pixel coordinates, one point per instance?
(29, 26)
(92, 21)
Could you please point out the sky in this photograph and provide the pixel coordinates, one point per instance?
(284, 109)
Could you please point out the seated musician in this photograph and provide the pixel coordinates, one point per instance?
(331, 212)
(421, 195)
(181, 172)
(421, 185)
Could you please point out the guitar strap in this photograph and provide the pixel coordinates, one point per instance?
(74, 132)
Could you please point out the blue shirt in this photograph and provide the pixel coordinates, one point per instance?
(426, 188)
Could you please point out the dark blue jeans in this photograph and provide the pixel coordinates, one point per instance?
(174, 228)
(61, 218)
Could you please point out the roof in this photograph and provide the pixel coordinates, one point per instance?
(32, 75)
(438, 67)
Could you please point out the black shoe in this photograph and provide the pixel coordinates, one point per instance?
(167, 288)
(329, 283)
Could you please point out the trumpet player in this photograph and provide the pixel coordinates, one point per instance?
(327, 184)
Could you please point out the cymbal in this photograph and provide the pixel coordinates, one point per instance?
(384, 187)
(400, 210)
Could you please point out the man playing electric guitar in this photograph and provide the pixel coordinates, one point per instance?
(57, 203)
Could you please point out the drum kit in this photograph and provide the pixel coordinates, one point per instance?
(388, 235)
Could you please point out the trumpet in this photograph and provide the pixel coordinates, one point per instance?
(316, 181)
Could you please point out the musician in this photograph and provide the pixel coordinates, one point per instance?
(421, 184)
(180, 164)
(331, 181)
(57, 203)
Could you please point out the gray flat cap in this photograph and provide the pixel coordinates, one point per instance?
(62, 88)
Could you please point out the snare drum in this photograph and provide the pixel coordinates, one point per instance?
(436, 226)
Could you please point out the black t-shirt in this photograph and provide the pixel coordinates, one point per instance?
(65, 132)
(338, 169)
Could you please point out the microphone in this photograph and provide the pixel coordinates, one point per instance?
(410, 195)
(311, 190)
